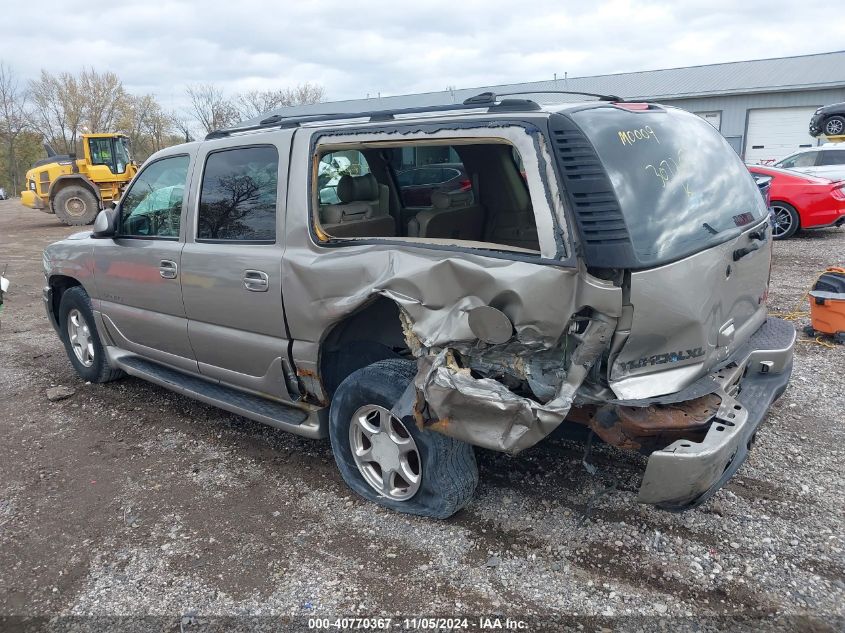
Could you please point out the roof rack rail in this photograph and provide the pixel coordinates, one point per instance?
(490, 97)
(280, 122)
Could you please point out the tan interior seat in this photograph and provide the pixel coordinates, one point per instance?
(363, 210)
(453, 216)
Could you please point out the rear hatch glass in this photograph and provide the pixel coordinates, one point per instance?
(681, 188)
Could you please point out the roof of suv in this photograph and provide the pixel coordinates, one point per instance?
(486, 103)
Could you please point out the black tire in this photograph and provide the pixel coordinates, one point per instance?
(835, 126)
(786, 221)
(76, 299)
(449, 473)
(76, 206)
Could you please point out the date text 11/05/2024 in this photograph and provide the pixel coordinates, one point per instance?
(483, 623)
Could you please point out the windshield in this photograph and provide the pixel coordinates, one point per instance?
(678, 182)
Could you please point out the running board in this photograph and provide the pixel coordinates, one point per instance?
(281, 416)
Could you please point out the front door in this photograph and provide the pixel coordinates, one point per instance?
(138, 274)
(232, 269)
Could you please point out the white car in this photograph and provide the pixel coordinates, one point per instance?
(826, 160)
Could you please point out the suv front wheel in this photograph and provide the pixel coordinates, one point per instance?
(392, 463)
(82, 342)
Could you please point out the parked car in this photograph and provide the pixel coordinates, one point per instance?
(802, 201)
(619, 286)
(828, 120)
(826, 160)
(417, 184)
(3, 194)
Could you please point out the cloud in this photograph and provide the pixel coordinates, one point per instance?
(394, 48)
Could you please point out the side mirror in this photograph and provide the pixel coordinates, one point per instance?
(105, 224)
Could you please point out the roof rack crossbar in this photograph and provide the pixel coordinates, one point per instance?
(277, 121)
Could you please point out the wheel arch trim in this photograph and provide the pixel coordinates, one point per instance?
(67, 180)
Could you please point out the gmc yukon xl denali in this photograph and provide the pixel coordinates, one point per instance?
(606, 265)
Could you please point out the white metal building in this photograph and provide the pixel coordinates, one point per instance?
(762, 107)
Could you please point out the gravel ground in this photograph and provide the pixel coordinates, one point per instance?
(128, 500)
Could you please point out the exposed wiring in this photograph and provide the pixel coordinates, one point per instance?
(797, 312)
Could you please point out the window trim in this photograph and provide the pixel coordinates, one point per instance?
(144, 168)
(209, 154)
(567, 259)
(830, 152)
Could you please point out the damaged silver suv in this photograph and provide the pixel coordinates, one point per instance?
(600, 263)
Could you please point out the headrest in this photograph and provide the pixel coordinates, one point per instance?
(443, 200)
(357, 188)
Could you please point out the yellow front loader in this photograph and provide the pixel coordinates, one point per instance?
(75, 189)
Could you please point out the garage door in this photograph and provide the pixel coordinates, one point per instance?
(774, 133)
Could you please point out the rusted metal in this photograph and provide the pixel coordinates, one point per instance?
(648, 428)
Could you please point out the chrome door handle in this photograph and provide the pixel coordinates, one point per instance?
(256, 280)
(167, 269)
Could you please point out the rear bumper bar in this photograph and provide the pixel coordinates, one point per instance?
(685, 474)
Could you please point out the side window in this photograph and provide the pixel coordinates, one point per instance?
(238, 195)
(100, 149)
(471, 192)
(153, 205)
(805, 159)
(832, 157)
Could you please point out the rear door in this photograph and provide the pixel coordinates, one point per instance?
(232, 265)
(138, 273)
(689, 215)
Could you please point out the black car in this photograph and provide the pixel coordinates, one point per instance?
(829, 120)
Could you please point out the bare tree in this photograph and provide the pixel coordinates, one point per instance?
(257, 102)
(103, 99)
(211, 108)
(182, 126)
(58, 108)
(13, 117)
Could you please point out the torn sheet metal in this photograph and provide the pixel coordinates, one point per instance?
(484, 412)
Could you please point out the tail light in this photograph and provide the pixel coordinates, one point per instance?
(838, 191)
(465, 185)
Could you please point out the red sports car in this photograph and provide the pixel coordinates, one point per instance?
(802, 201)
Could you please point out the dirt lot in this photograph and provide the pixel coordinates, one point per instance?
(126, 499)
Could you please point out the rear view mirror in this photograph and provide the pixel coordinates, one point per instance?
(105, 224)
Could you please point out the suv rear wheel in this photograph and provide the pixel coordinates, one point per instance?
(392, 463)
(82, 342)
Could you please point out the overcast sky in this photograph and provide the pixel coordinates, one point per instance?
(394, 47)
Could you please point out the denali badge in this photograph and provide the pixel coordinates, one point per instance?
(661, 359)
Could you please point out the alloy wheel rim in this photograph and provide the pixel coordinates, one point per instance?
(79, 335)
(385, 453)
(781, 222)
(75, 206)
(834, 127)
